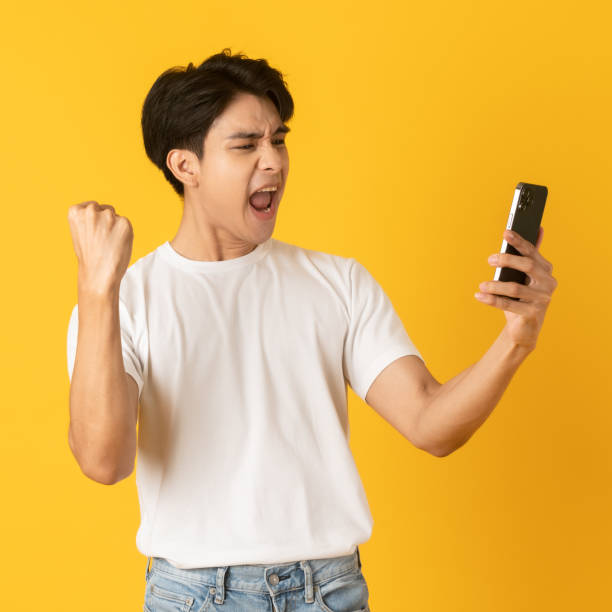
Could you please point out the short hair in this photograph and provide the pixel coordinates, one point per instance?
(183, 103)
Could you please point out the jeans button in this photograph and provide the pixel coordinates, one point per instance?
(273, 579)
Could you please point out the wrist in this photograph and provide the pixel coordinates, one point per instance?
(514, 349)
(97, 293)
(93, 288)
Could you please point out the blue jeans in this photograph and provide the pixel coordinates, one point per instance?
(329, 585)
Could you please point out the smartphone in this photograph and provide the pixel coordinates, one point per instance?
(525, 218)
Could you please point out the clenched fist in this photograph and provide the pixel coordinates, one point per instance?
(102, 241)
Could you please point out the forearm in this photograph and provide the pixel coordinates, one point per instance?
(460, 406)
(102, 426)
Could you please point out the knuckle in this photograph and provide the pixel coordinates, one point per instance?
(90, 209)
(85, 204)
(107, 217)
(125, 224)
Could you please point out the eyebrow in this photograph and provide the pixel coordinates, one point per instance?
(280, 129)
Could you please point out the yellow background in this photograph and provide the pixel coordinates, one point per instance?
(413, 124)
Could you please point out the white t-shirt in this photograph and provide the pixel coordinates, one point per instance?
(242, 367)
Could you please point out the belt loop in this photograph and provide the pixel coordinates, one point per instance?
(147, 571)
(358, 558)
(220, 590)
(308, 596)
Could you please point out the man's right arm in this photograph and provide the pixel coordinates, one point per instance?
(103, 404)
(103, 397)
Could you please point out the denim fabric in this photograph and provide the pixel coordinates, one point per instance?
(336, 584)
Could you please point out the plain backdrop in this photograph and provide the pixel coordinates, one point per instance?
(413, 124)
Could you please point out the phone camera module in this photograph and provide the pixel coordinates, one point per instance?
(525, 199)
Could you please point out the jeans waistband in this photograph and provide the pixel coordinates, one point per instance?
(262, 578)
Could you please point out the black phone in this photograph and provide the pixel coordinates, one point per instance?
(525, 218)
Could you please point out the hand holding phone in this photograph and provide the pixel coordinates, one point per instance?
(526, 308)
(525, 217)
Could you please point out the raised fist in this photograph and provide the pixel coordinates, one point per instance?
(102, 241)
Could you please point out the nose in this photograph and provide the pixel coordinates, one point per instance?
(272, 155)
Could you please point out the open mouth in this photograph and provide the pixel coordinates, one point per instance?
(270, 208)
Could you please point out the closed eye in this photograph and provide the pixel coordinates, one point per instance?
(281, 142)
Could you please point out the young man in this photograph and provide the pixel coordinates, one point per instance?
(238, 348)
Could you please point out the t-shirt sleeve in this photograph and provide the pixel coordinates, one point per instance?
(131, 361)
(376, 335)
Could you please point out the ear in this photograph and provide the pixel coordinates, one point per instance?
(183, 164)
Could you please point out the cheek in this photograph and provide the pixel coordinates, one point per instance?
(228, 179)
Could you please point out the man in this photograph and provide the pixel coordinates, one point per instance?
(239, 348)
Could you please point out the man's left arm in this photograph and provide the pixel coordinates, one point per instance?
(457, 408)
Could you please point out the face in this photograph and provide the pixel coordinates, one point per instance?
(234, 166)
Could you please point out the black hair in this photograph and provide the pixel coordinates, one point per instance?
(183, 103)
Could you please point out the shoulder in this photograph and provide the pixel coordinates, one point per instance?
(324, 261)
(133, 285)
